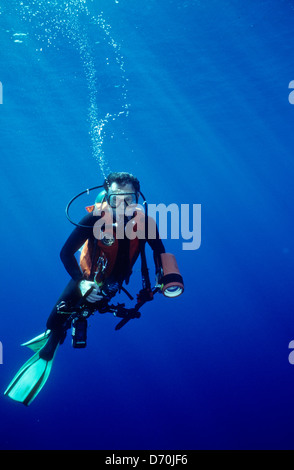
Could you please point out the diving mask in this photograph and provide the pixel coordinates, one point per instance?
(115, 199)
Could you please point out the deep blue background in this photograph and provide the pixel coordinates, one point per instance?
(209, 123)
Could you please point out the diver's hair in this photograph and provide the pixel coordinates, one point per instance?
(122, 178)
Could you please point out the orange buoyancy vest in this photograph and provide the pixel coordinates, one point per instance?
(99, 254)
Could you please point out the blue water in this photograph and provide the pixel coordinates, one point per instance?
(191, 97)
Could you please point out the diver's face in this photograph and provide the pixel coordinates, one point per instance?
(121, 195)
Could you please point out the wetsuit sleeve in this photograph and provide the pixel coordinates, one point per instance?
(156, 245)
(74, 242)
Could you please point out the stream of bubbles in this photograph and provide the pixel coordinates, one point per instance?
(71, 18)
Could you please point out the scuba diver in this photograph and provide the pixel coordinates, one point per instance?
(110, 238)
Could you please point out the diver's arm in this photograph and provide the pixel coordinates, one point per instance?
(157, 247)
(74, 242)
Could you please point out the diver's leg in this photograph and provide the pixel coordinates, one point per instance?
(33, 375)
(58, 323)
(71, 295)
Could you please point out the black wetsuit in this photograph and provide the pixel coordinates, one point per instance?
(71, 295)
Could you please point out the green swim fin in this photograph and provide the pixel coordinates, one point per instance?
(38, 342)
(32, 376)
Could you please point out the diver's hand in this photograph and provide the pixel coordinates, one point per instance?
(94, 295)
(158, 277)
